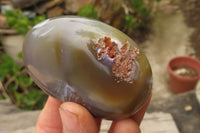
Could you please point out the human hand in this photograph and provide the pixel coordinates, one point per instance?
(69, 117)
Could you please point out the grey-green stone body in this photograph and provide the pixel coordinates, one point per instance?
(59, 56)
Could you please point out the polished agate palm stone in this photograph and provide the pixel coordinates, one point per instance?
(90, 63)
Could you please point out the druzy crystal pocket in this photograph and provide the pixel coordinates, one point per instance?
(90, 63)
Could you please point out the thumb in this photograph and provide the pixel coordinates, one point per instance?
(76, 119)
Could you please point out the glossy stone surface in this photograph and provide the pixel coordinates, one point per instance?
(60, 56)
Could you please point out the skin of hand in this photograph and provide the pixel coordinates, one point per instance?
(69, 117)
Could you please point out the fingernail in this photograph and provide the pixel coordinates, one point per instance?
(70, 121)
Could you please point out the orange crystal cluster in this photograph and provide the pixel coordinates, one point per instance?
(124, 58)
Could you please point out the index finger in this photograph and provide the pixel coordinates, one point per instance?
(138, 116)
(49, 120)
